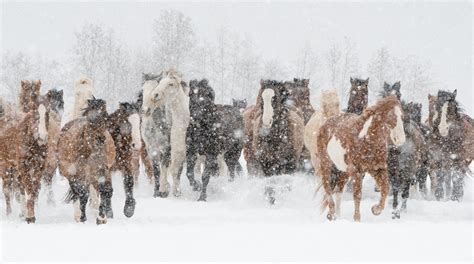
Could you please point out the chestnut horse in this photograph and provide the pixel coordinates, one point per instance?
(86, 154)
(10, 120)
(55, 105)
(352, 145)
(33, 146)
(124, 127)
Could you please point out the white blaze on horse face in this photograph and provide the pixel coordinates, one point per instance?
(365, 128)
(267, 117)
(397, 134)
(336, 152)
(134, 120)
(435, 116)
(42, 131)
(443, 124)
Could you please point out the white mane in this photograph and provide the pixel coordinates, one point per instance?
(82, 92)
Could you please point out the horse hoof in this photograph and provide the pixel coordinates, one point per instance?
(231, 179)
(162, 194)
(202, 198)
(271, 200)
(129, 208)
(83, 219)
(375, 210)
(30, 220)
(331, 217)
(177, 193)
(100, 221)
(395, 215)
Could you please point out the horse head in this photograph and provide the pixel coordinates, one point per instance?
(201, 98)
(391, 89)
(158, 91)
(129, 112)
(359, 94)
(412, 112)
(55, 101)
(448, 109)
(96, 114)
(239, 104)
(274, 96)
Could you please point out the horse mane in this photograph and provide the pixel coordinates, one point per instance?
(381, 106)
(330, 103)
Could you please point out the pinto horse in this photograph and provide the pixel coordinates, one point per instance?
(86, 154)
(165, 119)
(452, 145)
(33, 146)
(124, 127)
(55, 105)
(352, 145)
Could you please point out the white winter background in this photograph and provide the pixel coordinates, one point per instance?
(425, 45)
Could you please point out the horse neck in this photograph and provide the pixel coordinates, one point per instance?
(79, 104)
(178, 107)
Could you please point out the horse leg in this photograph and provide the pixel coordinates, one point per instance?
(80, 196)
(48, 180)
(440, 178)
(191, 158)
(357, 194)
(177, 160)
(156, 175)
(395, 183)
(328, 197)
(339, 190)
(458, 182)
(7, 188)
(421, 176)
(105, 190)
(31, 194)
(405, 192)
(128, 183)
(211, 168)
(381, 178)
(231, 158)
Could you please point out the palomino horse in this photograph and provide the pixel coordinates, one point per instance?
(165, 120)
(409, 160)
(277, 131)
(55, 105)
(354, 144)
(82, 93)
(329, 107)
(10, 120)
(86, 154)
(124, 127)
(33, 145)
(452, 145)
(214, 130)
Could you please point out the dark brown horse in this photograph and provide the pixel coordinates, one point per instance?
(86, 155)
(33, 145)
(452, 145)
(350, 145)
(299, 97)
(124, 127)
(358, 96)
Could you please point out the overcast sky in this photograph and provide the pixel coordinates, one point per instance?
(439, 32)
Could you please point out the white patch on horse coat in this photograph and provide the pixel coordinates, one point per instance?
(42, 131)
(336, 152)
(435, 116)
(443, 124)
(134, 120)
(82, 93)
(267, 117)
(77, 210)
(365, 128)
(397, 134)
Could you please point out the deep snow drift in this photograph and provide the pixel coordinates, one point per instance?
(237, 223)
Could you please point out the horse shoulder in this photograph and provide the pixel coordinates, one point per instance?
(110, 150)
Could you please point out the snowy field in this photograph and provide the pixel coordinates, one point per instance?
(237, 224)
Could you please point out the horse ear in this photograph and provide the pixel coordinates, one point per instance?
(396, 86)
(367, 81)
(455, 92)
(305, 82)
(261, 82)
(352, 81)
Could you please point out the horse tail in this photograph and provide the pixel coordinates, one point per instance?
(323, 204)
(70, 196)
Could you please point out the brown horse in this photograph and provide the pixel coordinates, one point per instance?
(299, 97)
(55, 105)
(359, 96)
(277, 131)
(124, 127)
(452, 145)
(351, 145)
(10, 120)
(86, 155)
(248, 115)
(32, 146)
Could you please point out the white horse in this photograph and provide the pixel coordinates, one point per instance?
(164, 123)
(329, 106)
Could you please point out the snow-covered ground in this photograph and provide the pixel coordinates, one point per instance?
(238, 224)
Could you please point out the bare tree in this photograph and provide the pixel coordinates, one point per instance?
(173, 40)
(306, 62)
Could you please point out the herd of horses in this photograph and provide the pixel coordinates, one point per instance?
(173, 123)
